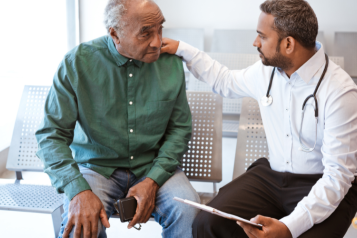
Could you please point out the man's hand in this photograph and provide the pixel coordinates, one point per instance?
(169, 46)
(271, 228)
(84, 210)
(145, 194)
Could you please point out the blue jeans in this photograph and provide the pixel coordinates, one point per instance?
(175, 218)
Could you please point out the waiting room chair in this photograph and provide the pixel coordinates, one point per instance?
(231, 107)
(346, 46)
(240, 41)
(29, 196)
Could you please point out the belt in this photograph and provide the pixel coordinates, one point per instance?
(354, 181)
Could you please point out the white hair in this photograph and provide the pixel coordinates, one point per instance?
(114, 12)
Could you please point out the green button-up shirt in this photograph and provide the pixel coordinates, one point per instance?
(105, 111)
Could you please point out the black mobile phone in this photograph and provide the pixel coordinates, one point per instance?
(126, 207)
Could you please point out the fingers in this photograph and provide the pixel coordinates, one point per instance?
(77, 231)
(68, 229)
(164, 49)
(94, 229)
(265, 221)
(103, 218)
(250, 230)
(86, 230)
(135, 219)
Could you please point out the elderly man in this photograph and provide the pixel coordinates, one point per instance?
(308, 187)
(116, 125)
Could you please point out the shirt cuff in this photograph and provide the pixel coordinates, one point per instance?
(186, 51)
(159, 175)
(298, 221)
(76, 186)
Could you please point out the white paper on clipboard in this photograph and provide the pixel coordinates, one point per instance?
(215, 211)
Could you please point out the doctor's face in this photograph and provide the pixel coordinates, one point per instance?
(268, 43)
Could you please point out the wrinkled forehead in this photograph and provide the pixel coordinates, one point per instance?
(141, 13)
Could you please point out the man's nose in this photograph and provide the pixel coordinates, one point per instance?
(256, 42)
(156, 42)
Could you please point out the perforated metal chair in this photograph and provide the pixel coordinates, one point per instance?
(230, 106)
(251, 140)
(346, 46)
(29, 196)
(203, 160)
(240, 41)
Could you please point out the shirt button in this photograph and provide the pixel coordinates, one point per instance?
(131, 103)
(287, 109)
(132, 157)
(287, 135)
(130, 75)
(287, 162)
(131, 130)
(130, 60)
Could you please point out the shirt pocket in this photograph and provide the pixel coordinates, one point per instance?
(158, 114)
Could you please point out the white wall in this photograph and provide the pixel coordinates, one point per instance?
(33, 41)
(333, 15)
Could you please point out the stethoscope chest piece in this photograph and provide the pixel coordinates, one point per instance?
(266, 101)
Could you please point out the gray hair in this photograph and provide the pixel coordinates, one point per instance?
(113, 14)
(293, 18)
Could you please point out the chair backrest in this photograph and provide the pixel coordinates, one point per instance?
(321, 38)
(192, 36)
(234, 41)
(23, 147)
(251, 141)
(233, 62)
(203, 161)
(346, 46)
(338, 60)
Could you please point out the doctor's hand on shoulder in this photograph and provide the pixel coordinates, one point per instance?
(271, 228)
(169, 46)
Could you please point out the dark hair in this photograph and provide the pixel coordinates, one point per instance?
(293, 18)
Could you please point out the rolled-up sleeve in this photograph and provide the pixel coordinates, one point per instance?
(56, 132)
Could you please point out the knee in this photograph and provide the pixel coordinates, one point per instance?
(205, 220)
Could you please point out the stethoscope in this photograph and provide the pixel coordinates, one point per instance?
(268, 100)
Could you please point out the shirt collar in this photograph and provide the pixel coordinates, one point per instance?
(120, 59)
(308, 70)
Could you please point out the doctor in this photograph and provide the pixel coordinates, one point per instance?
(303, 190)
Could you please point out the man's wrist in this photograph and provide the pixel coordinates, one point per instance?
(153, 183)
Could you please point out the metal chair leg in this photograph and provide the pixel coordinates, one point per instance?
(57, 220)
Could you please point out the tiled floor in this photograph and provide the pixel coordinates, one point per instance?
(29, 225)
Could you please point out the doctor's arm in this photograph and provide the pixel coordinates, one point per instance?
(225, 82)
(339, 159)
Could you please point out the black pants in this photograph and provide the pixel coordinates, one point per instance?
(273, 194)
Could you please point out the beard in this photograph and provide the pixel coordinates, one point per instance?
(278, 60)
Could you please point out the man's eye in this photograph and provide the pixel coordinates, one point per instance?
(145, 35)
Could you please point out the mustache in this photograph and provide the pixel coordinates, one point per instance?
(260, 51)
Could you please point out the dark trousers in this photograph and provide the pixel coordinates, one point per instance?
(262, 191)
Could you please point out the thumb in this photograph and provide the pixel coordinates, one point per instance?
(164, 49)
(103, 217)
(261, 220)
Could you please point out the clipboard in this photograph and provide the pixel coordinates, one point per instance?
(216, 212)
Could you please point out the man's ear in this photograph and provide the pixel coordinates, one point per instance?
(114, 36)
(290, 44)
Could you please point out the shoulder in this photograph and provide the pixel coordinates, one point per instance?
(87, 49)
(167, 60)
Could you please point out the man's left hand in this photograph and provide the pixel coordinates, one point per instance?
(271, 228)
(145, 194)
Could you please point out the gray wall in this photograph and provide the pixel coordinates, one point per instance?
(223, 14)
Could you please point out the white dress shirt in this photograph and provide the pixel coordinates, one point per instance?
(336, 147)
